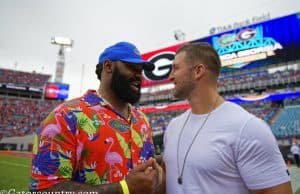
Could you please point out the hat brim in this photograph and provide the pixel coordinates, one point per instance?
(147, 66)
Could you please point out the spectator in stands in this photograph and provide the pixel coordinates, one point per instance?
(99, 142)
(21, 146)
(217, 146)
(295, 150)
(20, 78)
(21, 116)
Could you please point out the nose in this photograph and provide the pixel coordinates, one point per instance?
(171, 76)
(137, 72)
(138, 75)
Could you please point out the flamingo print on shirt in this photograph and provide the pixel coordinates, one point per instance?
(68, 144)
(113, 158)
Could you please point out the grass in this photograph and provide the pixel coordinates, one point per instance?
(14, 173)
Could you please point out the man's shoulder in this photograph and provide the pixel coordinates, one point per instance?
(180, 118)
(88, 99)
(67, 106)
(140, 115)
(232, 112)
(72, 102)
(231, 118)
(230, 106)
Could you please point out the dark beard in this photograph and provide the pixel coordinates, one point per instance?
(120, 84)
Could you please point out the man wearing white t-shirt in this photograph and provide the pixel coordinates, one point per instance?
(217, 147)
(295, 150)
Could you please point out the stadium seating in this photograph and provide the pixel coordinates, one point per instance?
(258, 79)
(237, 85)
(20, 116)
(263, 110)
(23, 78)
(164, 95)
(160, 120)
(288, 123)
(292, 101)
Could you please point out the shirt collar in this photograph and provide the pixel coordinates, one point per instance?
(91, 98)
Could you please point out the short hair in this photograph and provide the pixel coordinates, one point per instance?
(98, 71)
(202, 52)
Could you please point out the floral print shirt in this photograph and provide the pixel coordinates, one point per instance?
(87, 141)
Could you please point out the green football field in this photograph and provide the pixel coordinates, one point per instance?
(14, 174)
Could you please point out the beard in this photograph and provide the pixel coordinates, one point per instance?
(120, 85)
(183, 89)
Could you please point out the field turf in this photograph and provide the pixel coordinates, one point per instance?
(15, 170)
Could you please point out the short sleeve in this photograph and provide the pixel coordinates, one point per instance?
(166, 133)
(258, 157)
(54, 151)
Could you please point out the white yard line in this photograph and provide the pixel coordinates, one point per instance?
(13, 164)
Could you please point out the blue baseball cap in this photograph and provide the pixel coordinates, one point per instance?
(125, 52)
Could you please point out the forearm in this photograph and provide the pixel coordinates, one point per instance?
(71, 186)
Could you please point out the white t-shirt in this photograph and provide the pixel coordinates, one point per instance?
(234, 151)
(295, 149)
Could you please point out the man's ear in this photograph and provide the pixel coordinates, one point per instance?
(108, 66)
(199, 70)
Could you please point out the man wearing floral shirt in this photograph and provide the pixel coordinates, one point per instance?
(99, 142)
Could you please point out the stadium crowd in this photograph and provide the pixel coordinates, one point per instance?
(283, 120)
(236, 85)
(23, 78)
(20, 116)
(258, 79)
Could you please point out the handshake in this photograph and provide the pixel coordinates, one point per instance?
(146, 178)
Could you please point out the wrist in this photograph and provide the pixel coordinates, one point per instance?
(124, 186)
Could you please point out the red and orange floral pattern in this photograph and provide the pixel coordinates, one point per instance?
(87, 141)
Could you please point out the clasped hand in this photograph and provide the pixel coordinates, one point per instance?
(146, 178)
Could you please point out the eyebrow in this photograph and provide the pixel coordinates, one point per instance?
(134, 66)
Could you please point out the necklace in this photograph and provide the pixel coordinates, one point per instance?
(180, 173)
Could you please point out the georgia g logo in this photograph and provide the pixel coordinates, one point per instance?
(163, 66)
